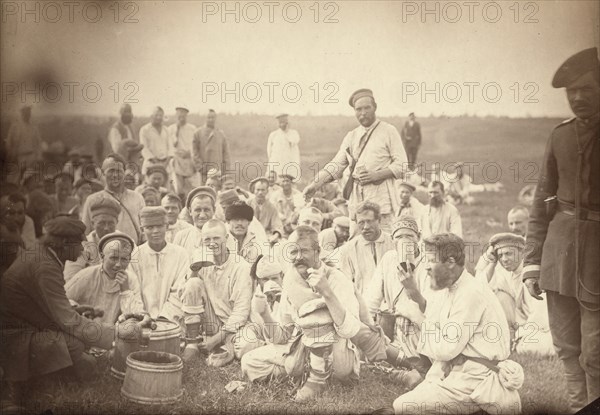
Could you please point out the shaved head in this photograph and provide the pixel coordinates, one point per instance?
(215, 225)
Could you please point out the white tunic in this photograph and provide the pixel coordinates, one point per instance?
(283, 151)
(161, 275)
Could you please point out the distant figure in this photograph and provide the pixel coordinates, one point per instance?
(131, 151)
(411, 138)
(24, 143)
(62, 198)
(121, 130)
(155, 138)
(518, 218)
(282, 148)
(210, 147)
(182, 137)
(440, 216)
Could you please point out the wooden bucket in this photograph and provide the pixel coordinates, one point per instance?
(165, 338)
(153, 378)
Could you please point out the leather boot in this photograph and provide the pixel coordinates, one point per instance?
(12, 398)
(421, 363)
(321, 367)
(407, 378)
(576, 384)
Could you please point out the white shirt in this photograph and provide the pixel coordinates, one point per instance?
(282, 148)
(157, 145)
(185, 139)
(442, 219)
(161, 275)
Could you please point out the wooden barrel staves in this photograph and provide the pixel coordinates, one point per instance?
(166, 338)
(153, 378)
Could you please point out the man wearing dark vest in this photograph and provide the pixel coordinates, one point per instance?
(121, 129)
(564, 230)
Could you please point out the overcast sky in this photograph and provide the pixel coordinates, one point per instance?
(277, 58)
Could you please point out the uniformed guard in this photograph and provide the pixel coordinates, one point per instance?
(564, 230)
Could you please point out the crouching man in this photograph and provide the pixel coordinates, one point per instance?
(41, 332)
(318, 318)
(216, 300)
(468, 340)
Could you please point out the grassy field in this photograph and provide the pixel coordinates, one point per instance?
(515, 146)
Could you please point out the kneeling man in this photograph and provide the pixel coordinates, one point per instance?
(468, 340)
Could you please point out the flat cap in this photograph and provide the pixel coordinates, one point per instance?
(125, 108)
(229, 196)
(283, 114)
(115, 235)
(257, 180)
(80, 182)
(310, 213)
(575, 66)
(153, 215)
(239, 210)
(75, 151)
(66, 226)
(410, 186)
(361, 93)
(171, 196)
(405, 222)
(105, 206)
(212, 173)
(287, 176)
(268, 266)
(150, 190)
(271, 287)
(182, 108)
(157, 168)
(507, 239)
(200, 191)
(343, 221)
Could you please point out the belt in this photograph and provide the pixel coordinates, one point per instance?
(461, 359)
(584, 214)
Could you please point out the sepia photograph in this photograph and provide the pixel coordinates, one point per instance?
(300, 207)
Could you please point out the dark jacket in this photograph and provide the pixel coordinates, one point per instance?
(36, 317)
(411, 135)
(551, 239)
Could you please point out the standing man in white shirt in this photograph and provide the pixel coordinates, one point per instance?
(24, 143)
(185, 177)
(440, 216)
(374, 154)
(155, 138)
(283, 152)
